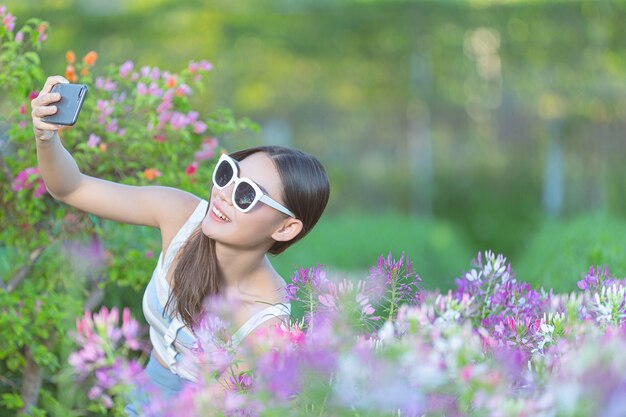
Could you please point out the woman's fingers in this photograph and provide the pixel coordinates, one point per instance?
(42, 111)
(45, 99)
(41, 125)
(51, 82)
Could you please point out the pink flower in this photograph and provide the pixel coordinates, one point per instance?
(165, 105)
(193, 67)
(155, 73)
(205, 65)
(33, 95)
(142, 90)
(178, 121)
(130, 330)
(93, 141)
(42, 32)
(207, 150)
(183, 90)
(111, 127)
(192, 116)
(126, 68)
(29, 178)
(199, 127)
(23, 109)
(154, 90)
(9, 22)
(105, 84)
(149, 254)
(19, 37)
(191, 169)
(22, 125)
(3, 10)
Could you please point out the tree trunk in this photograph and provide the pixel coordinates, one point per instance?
(553, 180)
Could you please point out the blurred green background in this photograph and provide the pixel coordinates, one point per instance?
(447, 127)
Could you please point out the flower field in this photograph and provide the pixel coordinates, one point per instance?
(379, 346)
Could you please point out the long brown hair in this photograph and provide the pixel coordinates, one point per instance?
(306, 190)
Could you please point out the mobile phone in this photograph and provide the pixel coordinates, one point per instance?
(72, 99)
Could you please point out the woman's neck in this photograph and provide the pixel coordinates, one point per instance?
(238, 266)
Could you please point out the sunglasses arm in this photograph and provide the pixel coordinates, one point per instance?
(270, 202)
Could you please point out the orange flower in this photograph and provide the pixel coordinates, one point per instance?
(102, 147)
(70, 73)
(90, 58)
(70, 57)
(151, 174)
(171, 82)
(84, 72)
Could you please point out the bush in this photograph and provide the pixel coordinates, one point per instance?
(562, 250)
(136, 127)
(349, 242)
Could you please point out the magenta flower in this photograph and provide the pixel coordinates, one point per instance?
(28, 179)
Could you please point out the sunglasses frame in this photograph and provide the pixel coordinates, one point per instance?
(260, 195)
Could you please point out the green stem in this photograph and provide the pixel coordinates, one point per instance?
(393, 296)
(310, 307)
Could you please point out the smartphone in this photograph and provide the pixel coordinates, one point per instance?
(72, 99)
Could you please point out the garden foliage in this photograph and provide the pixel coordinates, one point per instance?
(137, 127)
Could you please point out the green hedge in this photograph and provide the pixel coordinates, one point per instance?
(562, 251)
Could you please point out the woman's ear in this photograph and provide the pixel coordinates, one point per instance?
(288, 230)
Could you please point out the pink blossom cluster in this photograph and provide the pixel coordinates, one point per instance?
(30, 178)
(104, 345)
(7, 20)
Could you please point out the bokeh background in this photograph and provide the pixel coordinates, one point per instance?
(447, 127)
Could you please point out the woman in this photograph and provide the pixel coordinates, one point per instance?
(263, 200)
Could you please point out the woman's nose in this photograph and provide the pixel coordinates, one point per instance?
(225, 193)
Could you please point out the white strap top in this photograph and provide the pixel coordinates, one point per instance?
(170, 337)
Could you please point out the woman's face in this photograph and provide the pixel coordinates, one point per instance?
(252, 229)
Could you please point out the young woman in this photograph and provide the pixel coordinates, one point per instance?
(263, 200)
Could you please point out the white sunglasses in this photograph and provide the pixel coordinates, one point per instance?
(246, 192)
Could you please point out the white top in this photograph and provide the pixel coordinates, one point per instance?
(170, 337)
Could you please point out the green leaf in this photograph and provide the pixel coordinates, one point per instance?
(12, 401)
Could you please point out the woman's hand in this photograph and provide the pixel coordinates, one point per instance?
(42, 107)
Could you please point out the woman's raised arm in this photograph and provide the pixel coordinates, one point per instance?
(149, 205)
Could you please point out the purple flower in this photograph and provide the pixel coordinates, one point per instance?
(154, 90)
(199, 127)
(93, 141)
(19, 37)
(178, 121)
(126, 68)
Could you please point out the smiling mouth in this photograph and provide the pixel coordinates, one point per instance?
(219, 214)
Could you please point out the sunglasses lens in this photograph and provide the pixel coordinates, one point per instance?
(223, 174)
(244, 195)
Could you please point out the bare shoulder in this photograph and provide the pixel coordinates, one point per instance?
(174, 215)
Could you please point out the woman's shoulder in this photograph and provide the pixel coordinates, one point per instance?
(190, 212)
